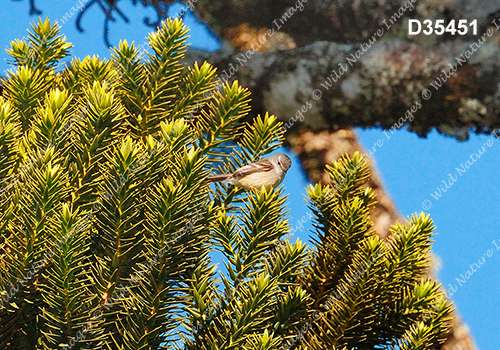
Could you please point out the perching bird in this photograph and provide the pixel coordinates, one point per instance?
(267, 172)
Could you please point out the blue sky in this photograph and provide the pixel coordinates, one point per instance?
(412, 169)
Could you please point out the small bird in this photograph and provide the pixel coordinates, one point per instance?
(267, 172)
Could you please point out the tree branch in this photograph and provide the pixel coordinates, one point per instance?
(380, 85)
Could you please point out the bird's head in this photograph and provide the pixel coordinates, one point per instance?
(283, 161)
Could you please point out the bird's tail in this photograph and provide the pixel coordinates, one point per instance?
(217, 178)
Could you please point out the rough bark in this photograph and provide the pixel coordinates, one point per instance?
(383, 87)
(352, 54)
(341, 21)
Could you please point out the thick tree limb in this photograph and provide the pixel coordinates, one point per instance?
(375, 86)
(308, 21)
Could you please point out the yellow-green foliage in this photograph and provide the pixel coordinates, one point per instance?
(107, 228)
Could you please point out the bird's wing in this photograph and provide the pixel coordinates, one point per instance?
(261, 165)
